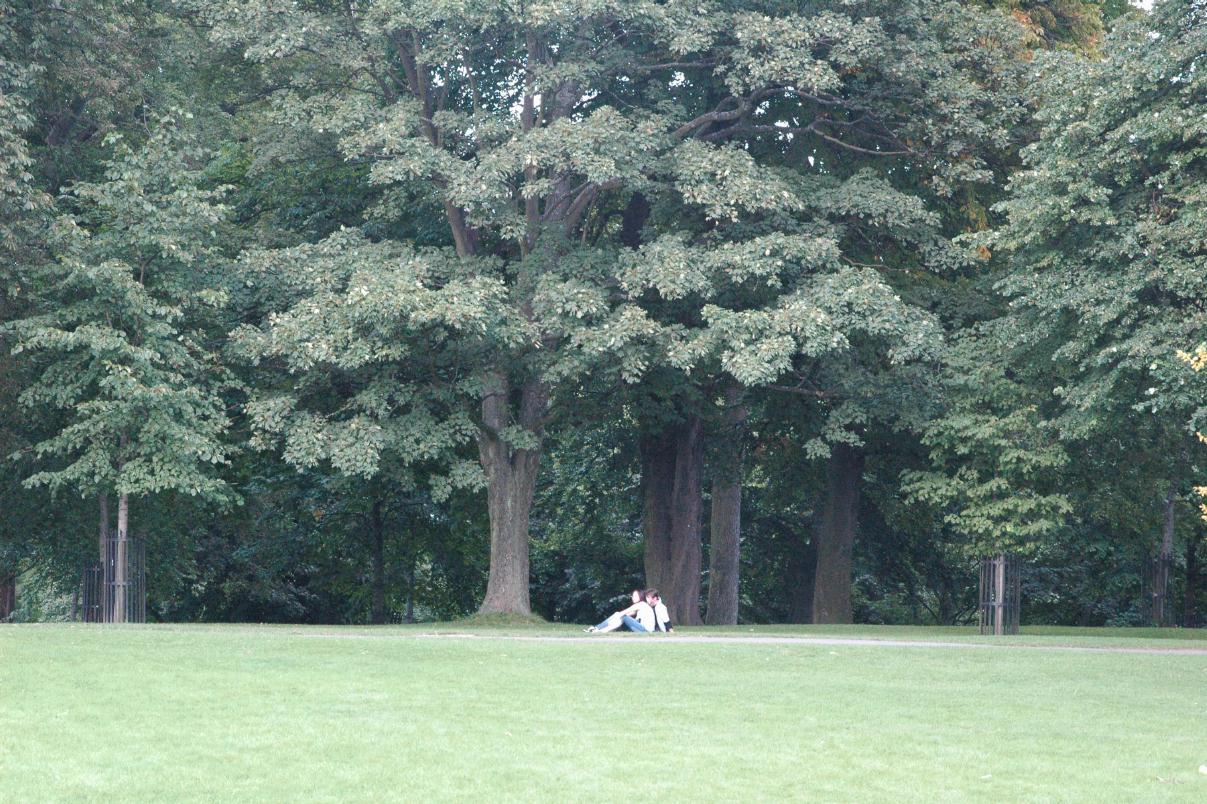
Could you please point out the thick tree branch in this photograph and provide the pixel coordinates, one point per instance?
(800, 390)
(584, 200)
(717, 115)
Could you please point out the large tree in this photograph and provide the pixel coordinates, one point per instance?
(837, 297)
(528, 126)
(1105, 252)
(117, 335)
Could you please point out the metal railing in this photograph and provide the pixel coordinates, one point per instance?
(1001, 594)
(115, 591)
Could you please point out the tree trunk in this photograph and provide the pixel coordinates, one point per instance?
(724, 545)
(97, 612)
(836, 537)
(8, 596)
(999, 594)
(801, 574)
(633, 219)
(104, 525)
(725, 523)
(945, 597)
(1161, 604)
(674, 508)
(1167, 529)
(121, 560)
(1190, 615)
(511, 483)
(377, 615)
(687, 507)
(658, 482)
(409, 617)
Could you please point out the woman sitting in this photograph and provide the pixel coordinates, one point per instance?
(638, 617)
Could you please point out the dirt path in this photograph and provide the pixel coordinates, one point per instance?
(820, 642)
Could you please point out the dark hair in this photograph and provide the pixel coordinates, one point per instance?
(649, 593)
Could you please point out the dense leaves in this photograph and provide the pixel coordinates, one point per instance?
(386, 309)
(119, 347)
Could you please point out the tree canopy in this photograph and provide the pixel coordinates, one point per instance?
(792, 310)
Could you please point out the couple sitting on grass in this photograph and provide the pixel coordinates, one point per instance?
(647, 614)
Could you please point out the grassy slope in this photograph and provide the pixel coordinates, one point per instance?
(277, 712)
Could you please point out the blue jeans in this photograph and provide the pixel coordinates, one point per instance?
(625, 622)
(633, 625)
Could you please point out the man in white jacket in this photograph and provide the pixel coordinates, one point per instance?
(662, 617)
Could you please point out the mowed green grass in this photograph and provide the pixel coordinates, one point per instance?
(289, 713)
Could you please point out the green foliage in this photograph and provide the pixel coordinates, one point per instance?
(586, 546)
(1063, 24)
(996, 463)
(18, 193)
(1106, 223)
(524, 170)
(1106, 256)
(426, 241)
(365, 343)
(117, 334)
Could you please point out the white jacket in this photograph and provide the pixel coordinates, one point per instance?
(662, 617)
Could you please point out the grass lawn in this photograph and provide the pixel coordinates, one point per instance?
(286, 713)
